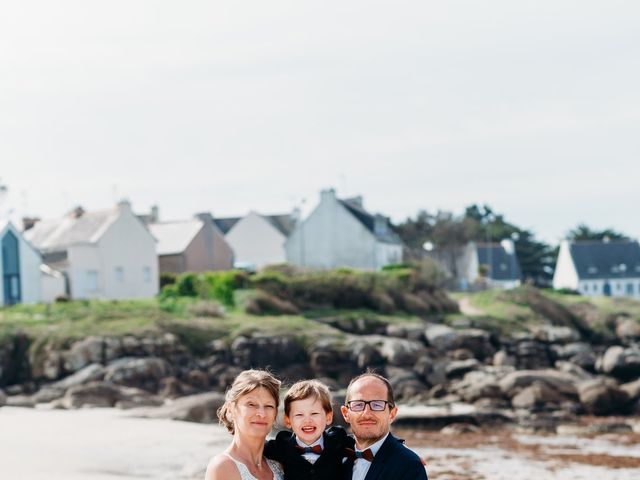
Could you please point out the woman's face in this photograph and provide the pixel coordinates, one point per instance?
(254, 413)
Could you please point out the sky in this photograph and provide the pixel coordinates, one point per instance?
(229, 106)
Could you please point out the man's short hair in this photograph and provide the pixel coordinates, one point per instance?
(308, 389)
(372, 373)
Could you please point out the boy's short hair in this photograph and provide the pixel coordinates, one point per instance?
(306, 389)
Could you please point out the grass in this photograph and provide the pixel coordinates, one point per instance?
(503, 312)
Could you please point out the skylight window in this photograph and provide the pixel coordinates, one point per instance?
(593, 269)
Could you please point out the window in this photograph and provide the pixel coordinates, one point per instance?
(592, 269)
(92, 280)
(629, 288)
(119, 271)
(146, 274)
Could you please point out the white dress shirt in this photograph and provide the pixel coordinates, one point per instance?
(361, 466)
(310, 456)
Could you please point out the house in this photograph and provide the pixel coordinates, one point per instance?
(341, 233)
(257, 240)
(107, 254)
(20, 280)
(498, 264)
(458, 262)
(593, 268)
(195, 245)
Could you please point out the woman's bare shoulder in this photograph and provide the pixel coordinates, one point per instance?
(221, 467)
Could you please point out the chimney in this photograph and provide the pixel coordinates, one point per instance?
(327, 194)
(155, 214)
(29, 222)
(77, 212)
(206, 217)
(124, 205)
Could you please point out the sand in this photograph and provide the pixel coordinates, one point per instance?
(110, 444)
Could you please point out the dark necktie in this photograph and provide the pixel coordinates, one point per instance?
(317, 449)
(355, 454)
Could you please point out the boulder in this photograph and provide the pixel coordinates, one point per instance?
(457, 368)
(399, 352)
(446, 339)
(501, 358)
(628, 329)
(632, 389)
(478, 384)
(556, 334)
(93, 394)
(459, 429)
(25, 401)
(602, 396)
(364, 355)
(564, 383)
(538, 395)
(266, 351)
(201, 408)
(405, 383)
(623, 363)
(84, 352)
(532, 355)
(144, 373)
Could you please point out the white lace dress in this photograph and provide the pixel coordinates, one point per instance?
(245, 474)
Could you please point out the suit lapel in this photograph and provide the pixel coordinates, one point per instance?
(380, 460)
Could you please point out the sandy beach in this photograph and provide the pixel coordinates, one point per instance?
(110, 444)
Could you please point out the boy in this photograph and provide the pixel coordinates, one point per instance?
(309, 452)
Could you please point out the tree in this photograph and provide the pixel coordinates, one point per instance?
(449, 234)
(583, 232)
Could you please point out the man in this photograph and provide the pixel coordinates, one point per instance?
(369, 409)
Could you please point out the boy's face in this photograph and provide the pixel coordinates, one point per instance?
(307, 419)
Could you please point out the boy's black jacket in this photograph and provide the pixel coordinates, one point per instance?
(328, 466)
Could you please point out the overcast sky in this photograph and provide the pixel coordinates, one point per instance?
(228, 106)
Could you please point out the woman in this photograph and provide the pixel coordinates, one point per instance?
(249, 411)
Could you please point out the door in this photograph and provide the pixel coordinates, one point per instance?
(11, 269)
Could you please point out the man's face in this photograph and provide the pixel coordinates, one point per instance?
(368, 426)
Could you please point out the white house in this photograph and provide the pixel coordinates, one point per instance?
(257, 240)
(610, 268)
(107, 254)
(341, 233)
(20, 280)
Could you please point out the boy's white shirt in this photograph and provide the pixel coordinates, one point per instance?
(311, 457)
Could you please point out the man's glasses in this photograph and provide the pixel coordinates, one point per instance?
(374, 405)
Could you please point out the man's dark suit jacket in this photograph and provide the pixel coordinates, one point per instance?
(393, 461)
(328, 466)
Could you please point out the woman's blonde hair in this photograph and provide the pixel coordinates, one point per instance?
(247, 381)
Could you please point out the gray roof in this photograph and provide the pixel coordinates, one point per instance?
(502, 265)
(285, 223)
(226, 224)
(59, 234)
(174, 237)
(378, 225)
(615, 259)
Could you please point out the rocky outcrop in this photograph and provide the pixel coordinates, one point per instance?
(620, 362)
(602, 396)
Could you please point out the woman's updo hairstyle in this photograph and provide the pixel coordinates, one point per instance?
(247, 381)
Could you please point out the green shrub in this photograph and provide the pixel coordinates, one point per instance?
(188, 285)
(220, 286)
(167, 278)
